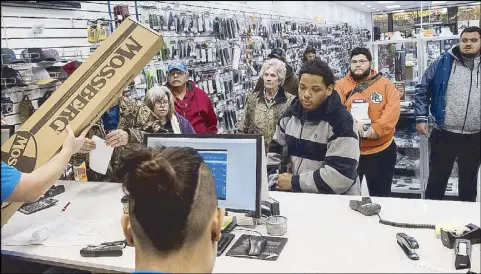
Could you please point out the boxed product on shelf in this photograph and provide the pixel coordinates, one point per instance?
(91, 90)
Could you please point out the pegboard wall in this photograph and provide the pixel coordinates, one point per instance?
(65, 29)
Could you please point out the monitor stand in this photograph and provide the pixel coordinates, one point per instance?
(244, 220)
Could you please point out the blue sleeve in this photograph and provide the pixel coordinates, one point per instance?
(186, 127)
(190, 129)
(10, 178)
(423, 92)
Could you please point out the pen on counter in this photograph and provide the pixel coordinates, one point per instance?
(65, 207)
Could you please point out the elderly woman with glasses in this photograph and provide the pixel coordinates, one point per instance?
(265, 107)
(160, 100)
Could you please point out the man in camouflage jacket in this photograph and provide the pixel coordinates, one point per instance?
(135, 119)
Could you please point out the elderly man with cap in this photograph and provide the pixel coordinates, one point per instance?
(291, 83)
(190, 101)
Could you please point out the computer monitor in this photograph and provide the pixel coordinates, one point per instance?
(236, 161)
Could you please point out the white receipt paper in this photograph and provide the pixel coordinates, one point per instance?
(99, 158)
(64, 232)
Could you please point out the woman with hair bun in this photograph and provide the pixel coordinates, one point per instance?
(172, 218)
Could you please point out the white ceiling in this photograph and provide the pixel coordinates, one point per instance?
(376, 7)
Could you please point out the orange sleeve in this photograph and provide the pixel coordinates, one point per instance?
(390, 114)
(339, 87)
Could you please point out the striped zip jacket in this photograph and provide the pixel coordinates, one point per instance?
(323, 148)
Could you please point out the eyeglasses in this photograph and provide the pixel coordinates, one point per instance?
(162, 102)
(362, 62)
(176, 72)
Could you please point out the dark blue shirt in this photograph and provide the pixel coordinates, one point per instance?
(111, 118)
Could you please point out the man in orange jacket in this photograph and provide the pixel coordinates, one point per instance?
(371, 91)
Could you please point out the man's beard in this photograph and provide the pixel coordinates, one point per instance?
(469, 55)
(358, 77)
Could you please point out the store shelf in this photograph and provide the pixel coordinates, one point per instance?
(406, 185)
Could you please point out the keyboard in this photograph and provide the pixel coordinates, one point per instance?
(37, 206)
(224, 242)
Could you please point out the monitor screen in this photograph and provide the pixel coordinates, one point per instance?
(235, 162)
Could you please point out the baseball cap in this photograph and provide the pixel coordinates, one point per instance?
(57, 72)
(36, 55)
(71, 66)
(9, 57)
(11, 78)
(279, 54)
(179, 66)
(41, 76)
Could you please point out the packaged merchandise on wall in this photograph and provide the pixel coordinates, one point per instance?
(224, 51)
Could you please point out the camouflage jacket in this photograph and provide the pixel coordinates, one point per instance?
(136, 119)
(261, 117)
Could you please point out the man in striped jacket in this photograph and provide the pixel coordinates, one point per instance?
(319, 134)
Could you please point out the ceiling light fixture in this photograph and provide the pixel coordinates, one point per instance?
(368, 6)
(385, 2)
(398, 10)
(363, 3)
(373, 8)
(393, 7)
(438, 2)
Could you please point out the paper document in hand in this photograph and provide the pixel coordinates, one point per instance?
(360, 111)
(99, 158)
(68, 232)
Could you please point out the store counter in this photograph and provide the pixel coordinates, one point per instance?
(324, 234)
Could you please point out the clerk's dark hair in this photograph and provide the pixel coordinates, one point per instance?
(364, 51)
(318, 67)
(171, 195)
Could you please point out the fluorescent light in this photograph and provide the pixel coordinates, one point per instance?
(398, 10)
(373, 8)
(368, 6)
(385, 2)
(363, 3)
(438, 2)
(393, 7)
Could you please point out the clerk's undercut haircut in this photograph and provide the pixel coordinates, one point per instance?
(318, 67)
(363, 51)
(172, 195)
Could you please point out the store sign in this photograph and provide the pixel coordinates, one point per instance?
(410, 14)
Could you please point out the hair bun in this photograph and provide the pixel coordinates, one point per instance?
(149, 173)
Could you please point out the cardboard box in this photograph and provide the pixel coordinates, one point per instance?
(90, 91)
